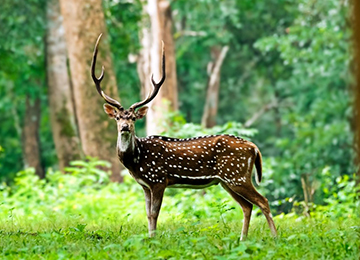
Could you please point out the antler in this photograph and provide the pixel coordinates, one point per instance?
(157, 86)
(97, 81)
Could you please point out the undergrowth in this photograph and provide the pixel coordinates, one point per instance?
(84, 216)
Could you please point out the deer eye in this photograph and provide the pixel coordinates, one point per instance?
(117, 118)
(133, 118)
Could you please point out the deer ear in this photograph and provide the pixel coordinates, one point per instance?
(111, 111)
(141, 112)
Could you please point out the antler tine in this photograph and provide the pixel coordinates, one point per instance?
(98, 80)
(157, 86)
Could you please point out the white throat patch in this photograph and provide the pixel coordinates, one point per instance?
(125, 142)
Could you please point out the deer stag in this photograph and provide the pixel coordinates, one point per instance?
(157, 162)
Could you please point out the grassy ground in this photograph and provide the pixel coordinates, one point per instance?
(74, 239)
(82, 216)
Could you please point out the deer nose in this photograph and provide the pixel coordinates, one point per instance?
(125, 127)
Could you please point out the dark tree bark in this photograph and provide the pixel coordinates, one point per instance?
(83, 22)
(61, 105)
(30, 136)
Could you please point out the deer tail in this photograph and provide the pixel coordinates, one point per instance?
(258, 165)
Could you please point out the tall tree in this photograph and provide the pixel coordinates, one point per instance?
(83, 22)
(149, 62)
(218, 55)
(30, 136)
(63, 121)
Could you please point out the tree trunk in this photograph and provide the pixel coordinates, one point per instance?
(150, 63)
(83, 22)
(143, 64)
(212, 96)
(30, 136)
(61, 105)
(170, 90)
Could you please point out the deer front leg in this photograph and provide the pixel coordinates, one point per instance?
(157, 194)
(147, 194)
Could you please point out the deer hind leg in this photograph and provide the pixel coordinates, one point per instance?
(246, 208)
(157, 194)
(248, 192)
(147, 194)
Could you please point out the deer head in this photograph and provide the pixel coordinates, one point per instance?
(125, 118)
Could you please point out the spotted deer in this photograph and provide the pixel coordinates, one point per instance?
(158, 162)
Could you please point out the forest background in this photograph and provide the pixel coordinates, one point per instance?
(276, 72)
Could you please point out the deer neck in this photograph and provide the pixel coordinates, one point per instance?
(128, 150)
(126, 142)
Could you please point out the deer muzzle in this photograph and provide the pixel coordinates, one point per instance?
(125, 127)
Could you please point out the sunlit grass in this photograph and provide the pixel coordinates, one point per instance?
(83, 234)
(73, 238)
(83, 216)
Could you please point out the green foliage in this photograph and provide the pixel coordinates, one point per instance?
(245, 73)
(342, 194)
(83, 215)
(22, 74)
(329, 189)
(179, 128)
(123, 18)
(314, 91)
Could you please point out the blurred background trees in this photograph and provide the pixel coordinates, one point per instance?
(60, 96)
(281, 67)
(83, 22)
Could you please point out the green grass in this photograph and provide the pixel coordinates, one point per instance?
(82, 216)
(72, 237)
